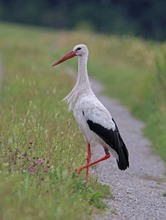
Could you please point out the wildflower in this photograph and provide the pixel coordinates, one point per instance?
(30, 168)
(25, 154)
(45, 170)
(36, 170)
(39, 162)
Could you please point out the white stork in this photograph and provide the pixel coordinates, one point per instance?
(94, 120)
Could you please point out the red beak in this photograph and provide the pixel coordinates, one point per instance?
(66, 57)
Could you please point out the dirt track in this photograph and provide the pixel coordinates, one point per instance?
(138, 191)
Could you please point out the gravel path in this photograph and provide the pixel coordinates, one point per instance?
(138, 191)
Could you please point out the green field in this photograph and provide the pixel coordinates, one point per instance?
(40, 143)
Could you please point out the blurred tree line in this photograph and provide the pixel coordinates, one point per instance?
(146, 18)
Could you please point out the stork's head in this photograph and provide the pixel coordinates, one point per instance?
(79, 50)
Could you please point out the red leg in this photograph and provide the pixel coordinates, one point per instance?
(87, 162)
(78, 170)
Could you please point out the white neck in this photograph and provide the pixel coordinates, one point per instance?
(82, 85)
(83, 78)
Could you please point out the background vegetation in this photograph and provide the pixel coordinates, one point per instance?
(145, 18)
(40, 144)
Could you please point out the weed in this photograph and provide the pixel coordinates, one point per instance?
(114, 212)
(164, 194)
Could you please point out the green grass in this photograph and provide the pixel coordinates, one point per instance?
(40, 145)
(35, 124)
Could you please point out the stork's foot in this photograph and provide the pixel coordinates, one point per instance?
(78, 170)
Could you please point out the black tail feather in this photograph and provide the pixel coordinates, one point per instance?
(123, 161)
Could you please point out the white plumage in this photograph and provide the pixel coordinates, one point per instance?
(93, 119)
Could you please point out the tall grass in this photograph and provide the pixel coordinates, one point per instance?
(40, 145)
(156, 125)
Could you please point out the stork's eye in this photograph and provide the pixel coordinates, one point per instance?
(79, 48)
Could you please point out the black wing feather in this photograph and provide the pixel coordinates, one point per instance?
(114, 140)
